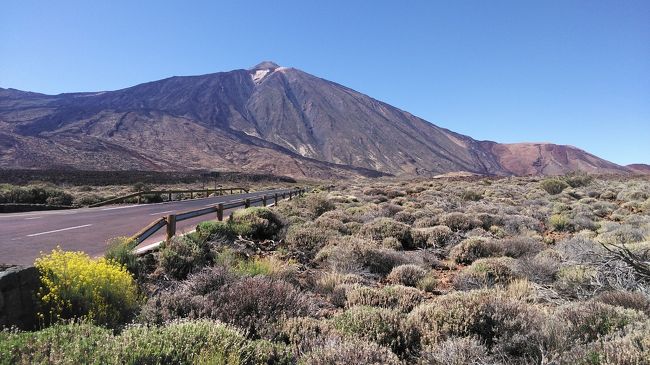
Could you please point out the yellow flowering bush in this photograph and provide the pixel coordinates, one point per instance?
(76, 286)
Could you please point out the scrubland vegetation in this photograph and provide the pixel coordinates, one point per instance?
(480, 271)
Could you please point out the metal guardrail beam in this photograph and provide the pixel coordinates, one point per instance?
(170, 220)
(139, 194)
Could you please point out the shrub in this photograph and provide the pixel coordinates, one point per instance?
(487, 272)
(331, 224)
(398, 297)
(471, 195)
(256, 304)
(380, 325)
(349, 351)
(520, 247)
(459, 221)
(592, 320)
(560, 222)
(34, 195)
(329, 281)
(73, 343)
(76, 286)
(456, 351)
(451, 315)
(211, 230)
(307, 239)
(553, 186)
(120, 250)
(382, 228)
(435, 236)
(355, 255)
(408, 275)
(542, 268)
(261, 222)
(473, 249)
(319, 204)
(577, 179)
(303, 334)
(626, 299)
(429, 283)
(504, 325)
(181, 256)
(576, 280)
(630, 346)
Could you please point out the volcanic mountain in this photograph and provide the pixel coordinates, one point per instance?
(266, 119)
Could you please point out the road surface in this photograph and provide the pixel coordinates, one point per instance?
(23, 236)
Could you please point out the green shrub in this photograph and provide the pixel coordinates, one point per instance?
(457, 221)
(34, 195)
(506, 326)
(591, 320)
(76, 286)
(317, 204)
(261, 222)
(73, 343)
(560, 222)
(408, 275)
(435, 236)
(576, 280)
(381, 228)
(380, 325)
(475, 248)
(553, 186)
(308, 239)
(186, 342)
(429, 283)
(577, 179)
(451, 315)
(487, 272)
(398, 297)
(210, 230)
(181, 256)
(120, 250)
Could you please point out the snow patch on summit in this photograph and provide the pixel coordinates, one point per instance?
(259, 75)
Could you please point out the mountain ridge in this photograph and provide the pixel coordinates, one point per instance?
(277, 119)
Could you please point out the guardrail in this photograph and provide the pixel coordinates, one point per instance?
(139, 194)
(170, 220)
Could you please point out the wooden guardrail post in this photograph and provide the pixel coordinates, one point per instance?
(139, 199)
(264, 200)
(171, 226)
(220, 212)
(191, 195)
(289, 194)
(247, 203)
(230, 191)
(169, 197)
(276, 199)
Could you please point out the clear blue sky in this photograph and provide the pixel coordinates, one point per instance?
(570, 72)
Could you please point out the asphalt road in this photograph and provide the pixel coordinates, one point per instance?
(23, 236)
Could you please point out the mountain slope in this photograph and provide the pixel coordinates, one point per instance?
(268, 118)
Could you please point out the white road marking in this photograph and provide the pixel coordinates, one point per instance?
(167, 211)
(33, 218)
(128, 206)
(58, 230)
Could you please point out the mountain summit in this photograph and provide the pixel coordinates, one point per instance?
(266, 119)
(266, 65)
